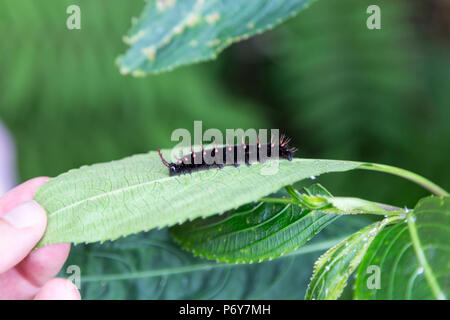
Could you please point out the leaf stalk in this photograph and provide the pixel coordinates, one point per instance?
(411, 176)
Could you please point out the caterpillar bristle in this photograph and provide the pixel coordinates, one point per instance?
(230, 155)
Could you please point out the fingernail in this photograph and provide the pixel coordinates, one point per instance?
(26, 215)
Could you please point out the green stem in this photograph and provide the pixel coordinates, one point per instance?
(411, 176)
(361, 206)
(429, 275)
(293, 193)
(344, 205)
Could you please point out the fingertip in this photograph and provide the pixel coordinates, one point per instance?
(29, 214)
(58, 289)
(43, 264)
(36, 182)
(20, 194)
(59, 250)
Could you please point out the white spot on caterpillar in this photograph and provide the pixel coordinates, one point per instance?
(150, 52)
(212, 18)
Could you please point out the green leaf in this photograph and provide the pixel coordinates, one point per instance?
(171, 33)
(109, 200)
(254, 232)
(152, 266)
(413, 257)
(333, 269)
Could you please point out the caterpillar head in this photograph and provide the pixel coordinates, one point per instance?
(285, 151)
(172, 168)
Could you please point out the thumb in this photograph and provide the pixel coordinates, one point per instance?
(20, 230)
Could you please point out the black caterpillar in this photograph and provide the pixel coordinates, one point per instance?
(231, 155)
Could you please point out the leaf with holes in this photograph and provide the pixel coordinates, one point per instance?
(110, 200)
(333, 269)
(171, 33)
(412, 257)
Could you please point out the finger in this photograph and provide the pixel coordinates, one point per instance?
(25, 280)
(43, 264)
(14, 287)
(58, 289)
(20, 230)
(20, 194)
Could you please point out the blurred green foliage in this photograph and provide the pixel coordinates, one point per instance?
(67, 105)
(340, 90)
(147, 266)
(346, 92)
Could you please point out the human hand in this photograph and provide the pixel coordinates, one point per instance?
(26, 273)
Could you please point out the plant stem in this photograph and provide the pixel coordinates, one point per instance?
(429, 275)
(427, 184)
(292, 192)
(345, 206)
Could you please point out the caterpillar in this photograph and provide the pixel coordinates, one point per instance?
(229, 155)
